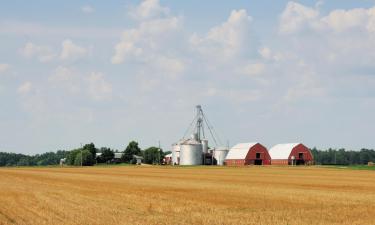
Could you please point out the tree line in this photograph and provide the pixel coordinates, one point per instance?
(343, 157)
(85, 156)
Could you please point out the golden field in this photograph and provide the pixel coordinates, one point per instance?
(186, 195)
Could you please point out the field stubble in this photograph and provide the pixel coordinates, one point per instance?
(191, 195)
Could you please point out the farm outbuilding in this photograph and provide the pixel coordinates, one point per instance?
(248, 154)
(290, 154)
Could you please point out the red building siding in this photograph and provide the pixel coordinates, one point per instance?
(251, 157)
(307, 156)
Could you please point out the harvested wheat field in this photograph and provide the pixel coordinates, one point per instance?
(186, 195)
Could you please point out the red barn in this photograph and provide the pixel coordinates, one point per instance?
(291, 154)
(248, 154)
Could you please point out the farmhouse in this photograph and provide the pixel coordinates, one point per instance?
(248, 154)
(290, 154)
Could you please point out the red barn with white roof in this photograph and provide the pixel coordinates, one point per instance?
(291, 154)
(248, 154)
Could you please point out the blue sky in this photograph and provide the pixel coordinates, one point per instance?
(109, 72)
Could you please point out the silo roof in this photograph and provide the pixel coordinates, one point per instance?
(282, 151)
(239, 151)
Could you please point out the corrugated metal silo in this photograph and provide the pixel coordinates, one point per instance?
(220, 154)
(191, 153)
(176, 153)
(204, 145)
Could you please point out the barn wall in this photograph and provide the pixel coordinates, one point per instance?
(234, 162)
(258, 148)
(308, 157)
(279, 161)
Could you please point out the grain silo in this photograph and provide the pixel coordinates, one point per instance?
(195, 150)
(191, 152)
(176, 153)
(220, 154)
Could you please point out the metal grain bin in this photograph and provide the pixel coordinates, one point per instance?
(220, 154)
(191, 153)
(204, 145)
(176, 153)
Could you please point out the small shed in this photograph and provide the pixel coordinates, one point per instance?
(291, 154)
(138, 159)
(248, 154)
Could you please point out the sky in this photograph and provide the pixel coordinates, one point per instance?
(109, 72)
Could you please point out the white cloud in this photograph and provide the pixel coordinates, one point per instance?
(155, 43)
(71, 81)
(71, 51)
(98, 87)
(87, 9)
(341, 20)
(149, 9)
(66, 78)
(4, 67)
(228, 40)
(145, 41)
(41, 52)
(25, 88)
(296, 16)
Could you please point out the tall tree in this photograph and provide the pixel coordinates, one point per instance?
(131, 149)
(153, 155)
(86, 157)
(107, 155)
(91, 148)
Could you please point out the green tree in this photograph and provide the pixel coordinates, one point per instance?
(71, 157)
(87, 158)
(107, 155)
(131, 149)
(153, 155)
(91, 148)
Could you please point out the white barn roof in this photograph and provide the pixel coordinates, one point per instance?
(239, 151)
(282, 151)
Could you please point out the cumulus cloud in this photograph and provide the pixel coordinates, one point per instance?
(230, 39)
(154, 43)
(148, 38)
(87, 9)
(296, 16)
(71, 51)
(4, 67)
(41, 52)
(149, 9)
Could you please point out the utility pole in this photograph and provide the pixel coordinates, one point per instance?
(81, 154)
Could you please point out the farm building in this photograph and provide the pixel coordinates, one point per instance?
(290, 154)
(167, 159)
(248, 154)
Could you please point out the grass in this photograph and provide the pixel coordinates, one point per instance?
(352, 167)
(186, 195)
